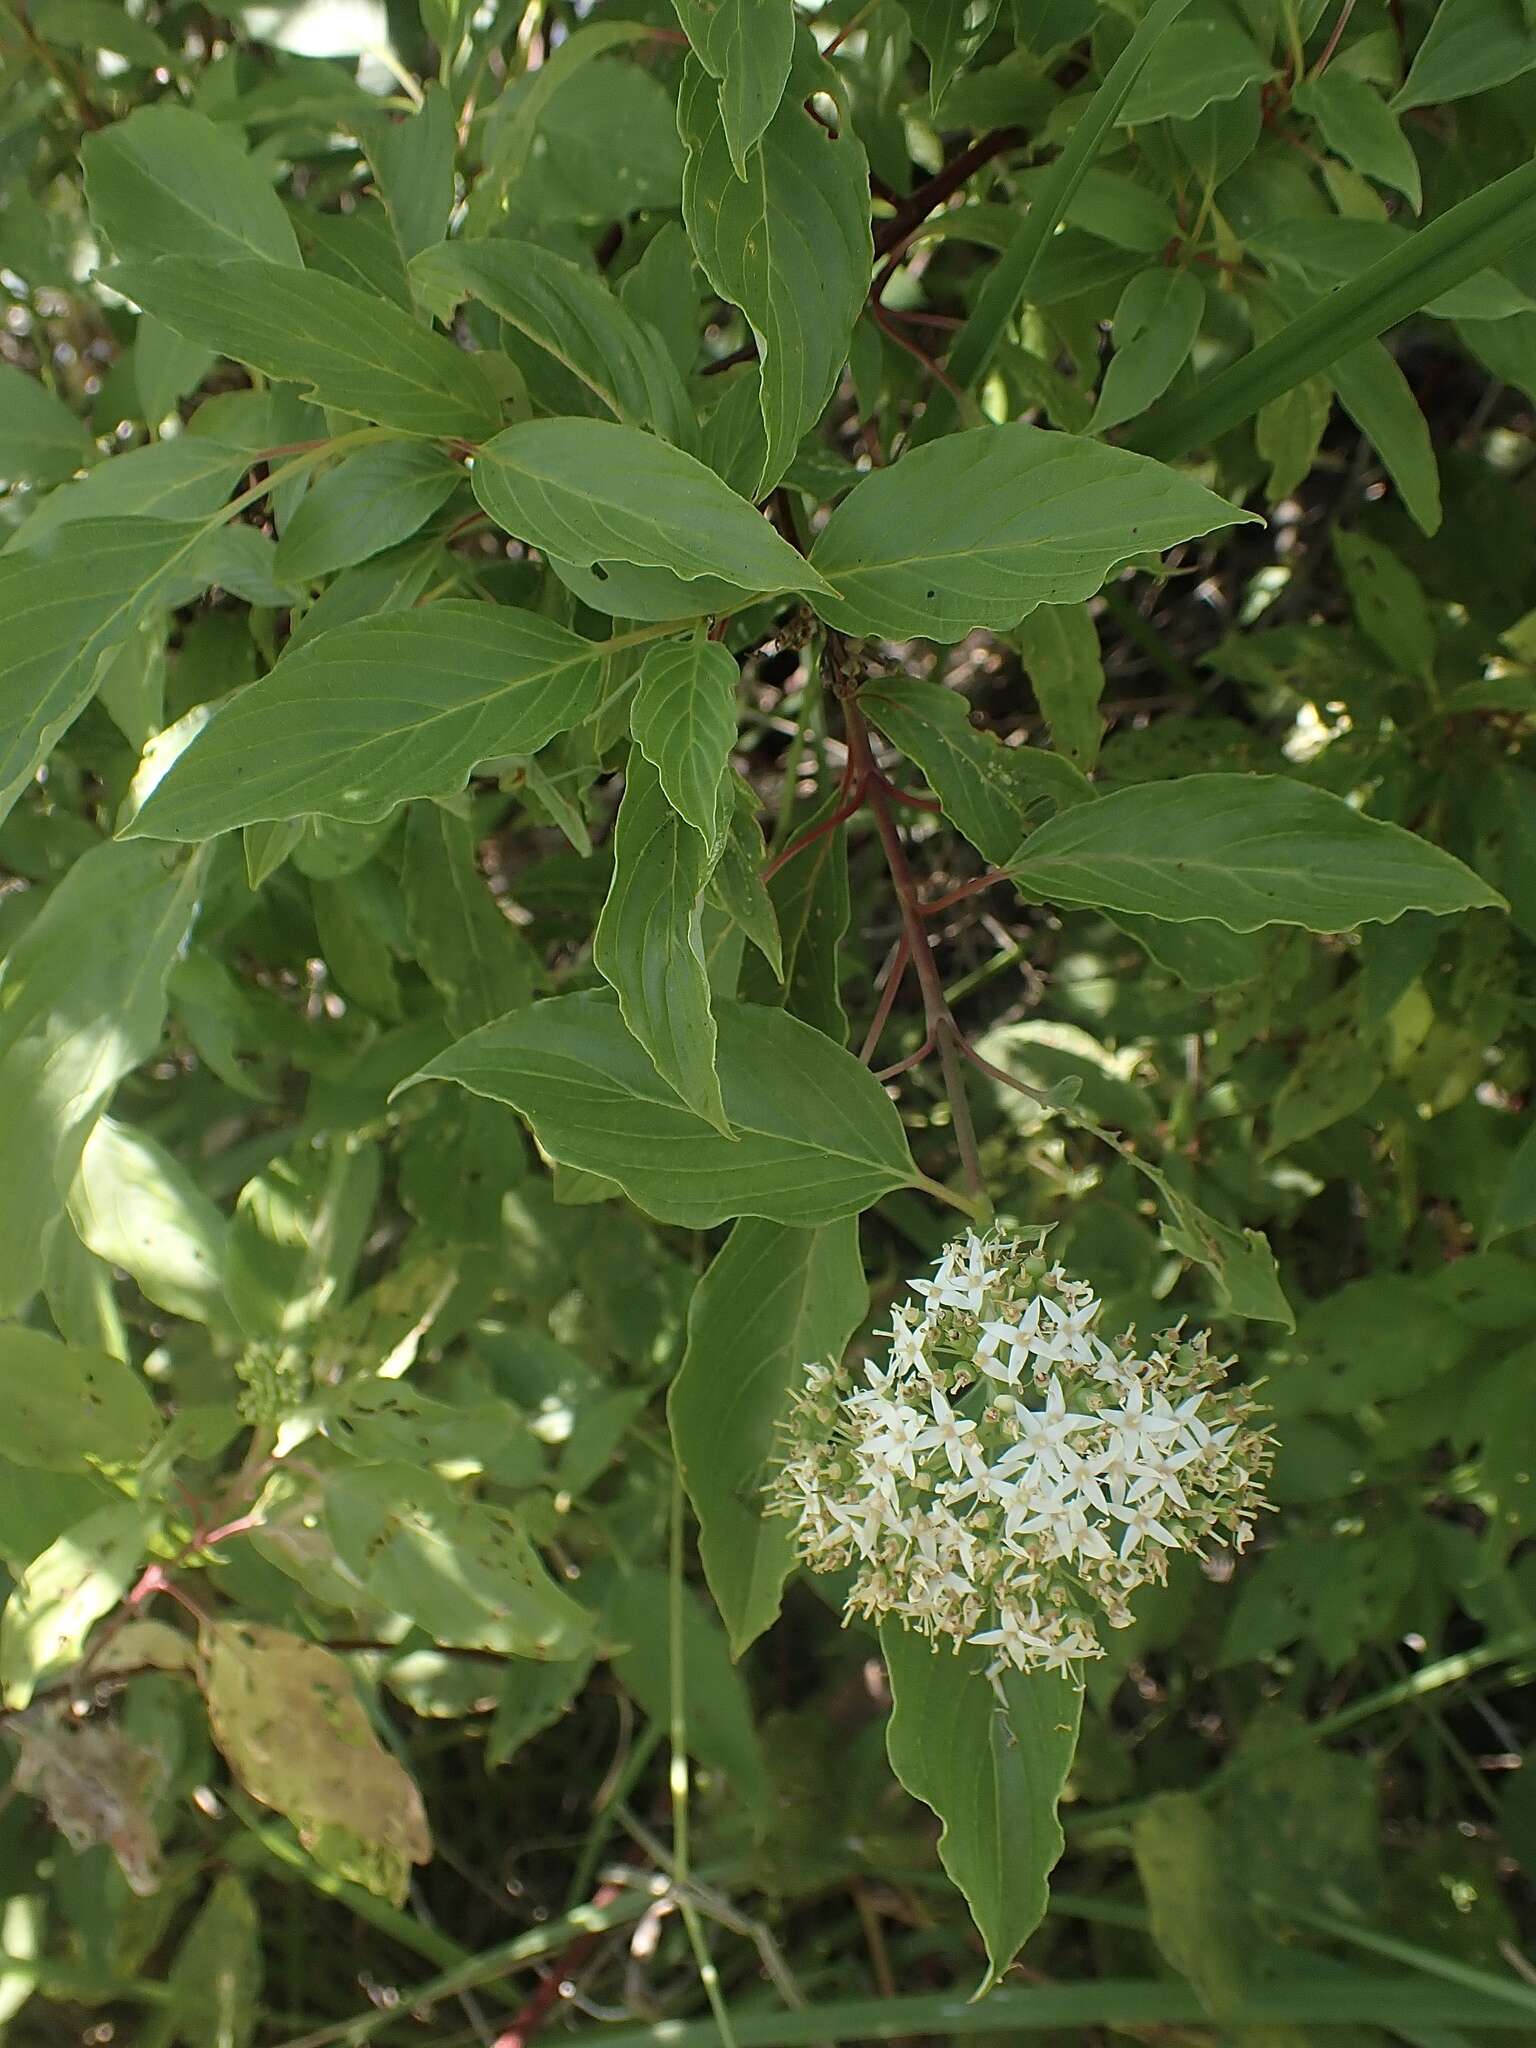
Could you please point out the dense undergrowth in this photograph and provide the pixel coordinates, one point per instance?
(651, 663)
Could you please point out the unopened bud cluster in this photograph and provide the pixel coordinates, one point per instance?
(1007, 1477)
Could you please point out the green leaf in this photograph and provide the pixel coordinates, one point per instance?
(66, 1408)
(978, 529)
(467, 947)
(986, 787)
(683, 718)
(464, 1571)
(737, 885)
(518, 119)
(811, 906)
(816, 1135)
(1380, 401)
(1358, 125)
(61, 611)
(135, 1206)
(800, 213)
(170, 182)
(1198, 1920)
(41, 441)
(391, 582)
(297, 1235)
(93, 25)
(1388, 602)
(1514, 1207)
(1117, 209)
(950, 33)
(1204, 58)
(590, 491)
(62, 1594)
(289, 1723)
(1335, 1071)
(215, 1980)
(82, 1002)
(360, 248)
(1247, 850)
(171, 481)
(369, 502)
(648, 945)
(993, 1774)
(1059, 646)
(719, 1710)
(747, 46)
(1007, 283)
(355, 352)
(1471, 45)
(412, 163)
(774, 1300)
(166, 367)
(572, 316)
(1155, 325)
(359, 719)
(1465, 239)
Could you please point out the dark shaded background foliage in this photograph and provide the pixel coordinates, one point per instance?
(1264, 1791)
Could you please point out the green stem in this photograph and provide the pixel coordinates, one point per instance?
(678, 1776)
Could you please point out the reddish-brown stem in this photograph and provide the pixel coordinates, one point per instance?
(929, 197)
(972, 888)
(747, 353)
(948, 321)
(888, 326)
(907, 796)
(895, 974)
(1001, 1074)
(844, 811)
(913, 1059)
(155, 1579)
(1334, 40)
(545, 1996)
(943, 1032)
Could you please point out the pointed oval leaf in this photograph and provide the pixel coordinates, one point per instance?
(41, 441)
(573, 316)
(592, 491)
(82, 1002)
(288, 1720)
(62, 1594)
(993, 1773)
(747, 46)
(61, 611)
(361, 718)
(774, 1300)
(648, 945)
(355, 351)
(684, 719)
(816, 1135)
(65, 1407)
(789, 243)
(987, 788)
(369, 502)
(979, 528)
(1247, 850)
(170, 182)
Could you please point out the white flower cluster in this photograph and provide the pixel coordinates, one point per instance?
(1007, 1477)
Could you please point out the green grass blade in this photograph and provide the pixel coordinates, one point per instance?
(1008, 280)
(1473, 234)
(1342, 2000)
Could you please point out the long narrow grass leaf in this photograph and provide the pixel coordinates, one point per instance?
(1469, 237)
(1008, 280)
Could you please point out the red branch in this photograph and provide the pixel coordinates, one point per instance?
(545, 1996)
